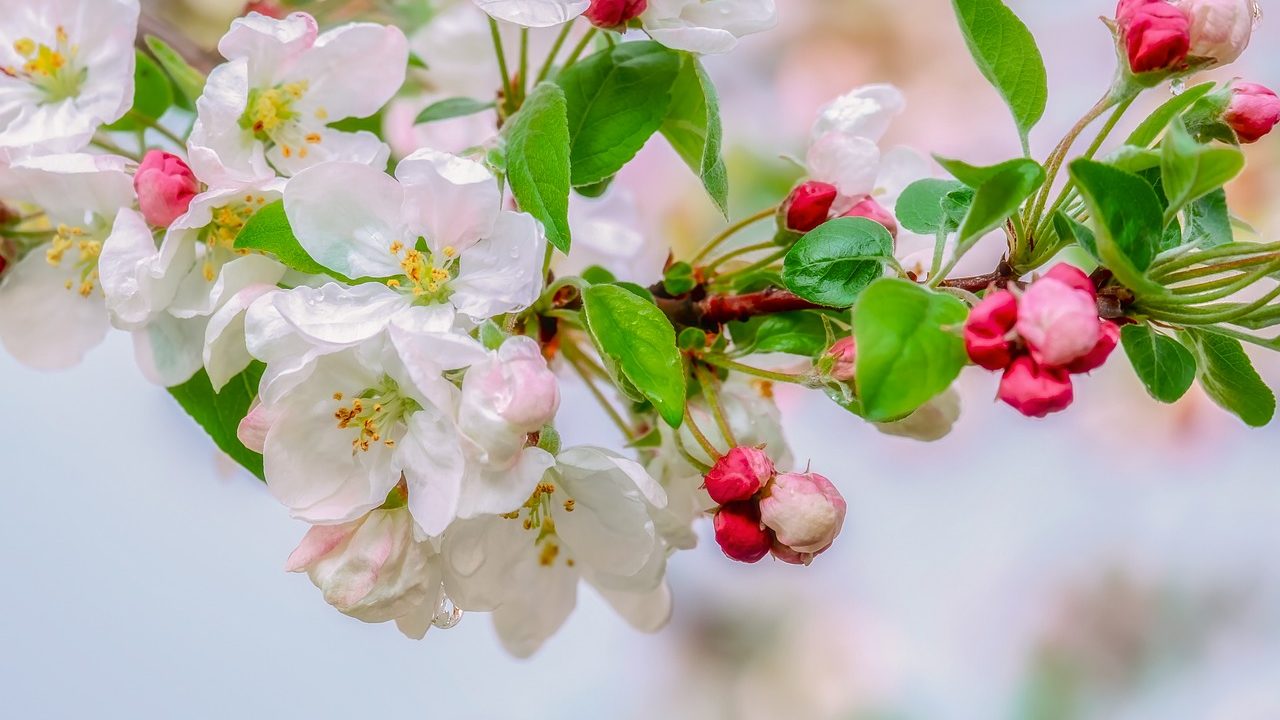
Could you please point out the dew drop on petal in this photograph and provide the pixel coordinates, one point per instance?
(447, 614)
(1177, 85)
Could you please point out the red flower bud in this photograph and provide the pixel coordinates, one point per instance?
(1157, 35)
(740, 533)
(1072, 276)
(870, 209)
(809, 205)
(739, 474)
(985, 330)
(1034, 390)
(844, 351)
(165, 187)
(1253, 111)
(612, 13)
(1108, 338)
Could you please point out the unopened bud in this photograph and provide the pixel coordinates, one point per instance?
(739, 474)
(165, 187)
(1156, 35)
(740, 534)
(1034, 390)
(987, 327)
(870, 209)
(808, 206)
(804, 510)
(1254, 110)
(1220, 29)
(614, 13)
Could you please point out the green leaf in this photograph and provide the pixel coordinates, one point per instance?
(220, 413)
(1129, 224)
(794, 333)
(268, 230)
(153, 95)
(909, 348)
(920, 206)
(452, 108)
(1150, 129)
(617, 98)
(679, 279)
(188, 80)
(692, 126)
(1007, 55)
(1191, 170)
(1228, 377)
(832, 263)
(999, 191)
(640, 340)
(1069, 229)
(1164, 365)
(538, 161)
(1209, 221)
(596, 190)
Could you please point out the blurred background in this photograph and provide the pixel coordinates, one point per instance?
(1119, 560)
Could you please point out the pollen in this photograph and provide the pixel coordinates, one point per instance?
(449, 251)
(337, 396)
(313, 138)
(208, 271)
(548, 555)
(26, 47)
(569, 505)
(396, 247)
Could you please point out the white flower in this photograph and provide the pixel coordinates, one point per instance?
(374, 569)
(606, 232)
(589, 519)
(51, 309)
(932, 421)
(66, 67)
(844, 147)
(186, 299)
(268, 109)
(707, 26)
(534, 13)
(362, 223)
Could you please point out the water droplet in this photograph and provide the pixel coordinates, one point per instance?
(447, 614)
(1177, 85)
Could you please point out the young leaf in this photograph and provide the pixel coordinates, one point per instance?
(999, 191)
(692, 126)
(188, 80)
(831, 264)
(220, 413)
(1191, 170)
(1209, 221)
(1069, 229)
(268, 230)
(1128, 220)
(452, 108)
(616, 99)
(679, 279)
(795, 333)
(1163, 364)
(1007, 55)
(909, 349)
(1150, 129)
(538, 161)
(152, 95)
(1228, 377)
(920, 208)
(640, 341)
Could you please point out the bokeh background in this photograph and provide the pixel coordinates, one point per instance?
(1117, 561)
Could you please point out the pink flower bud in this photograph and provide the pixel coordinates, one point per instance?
(740, 534)
(612, 13)
(987, 327)
(515, 384)
(1157, 35)
(844, 351)
(1073, 276)
(809, 205)
(870, 209)
(1220, 29)
(1034, 390)
(1253, 111)
(1108, 338)
(165, 187)
(739, 474)
(804, 510)
(1058, 322)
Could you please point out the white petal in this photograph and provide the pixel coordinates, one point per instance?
(431, 457)
(899, 167)
(132, 274)
(419, 337)
(503, 273)
(169, 350)
(225, 352)
(43, 324)
(850, 163)
(609, 527)
(361, 147)
(478, 556)
(545, 598)
(346, 216)
(706, 26)
(534, 13)
(501, 490)
(68, 187)
(646, 611)
(340, 315)
(219, 151)
(198, 296)
(865, 112)
(354, 69)
(450, 201)
(269, 45)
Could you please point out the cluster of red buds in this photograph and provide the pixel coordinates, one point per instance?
(1040, 339)
(793, 516)
(812, 203)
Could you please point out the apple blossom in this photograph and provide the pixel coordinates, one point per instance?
(740, 534)
(1156, 35)
(374, 569)
(804, 510)
(1108, 339)
(1035, 390)
(165, 187)
(739, 474)
(1253, 111)
(706, 26)
(534, 13)
(66, 68)
(870, 209)
(1220, 29)
(1059, 322)
(986, 330)
(268, 109)
(613, 13)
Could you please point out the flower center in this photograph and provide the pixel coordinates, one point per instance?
(536, 512)
(425, 276)
(273, 117)
(51, 68)
(219, 236)
(85, 266)
(375, 414)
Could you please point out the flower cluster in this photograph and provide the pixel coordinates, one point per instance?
(1039, 338)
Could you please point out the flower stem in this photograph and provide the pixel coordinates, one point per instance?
(579, 49)
(507, 90)
(730, 232)
(555, 50)
(711, 394)
(104, 143)
(523, 75)
(738, 252)
(154, 125)
(698, 435)
(727, 364)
